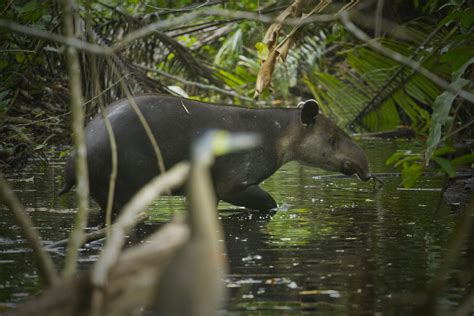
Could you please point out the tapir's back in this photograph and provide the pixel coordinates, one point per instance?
(174, 122)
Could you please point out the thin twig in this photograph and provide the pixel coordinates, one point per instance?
(197, 84)
(378, 19)
(44, 261)
(93, 236)
(26, 51)
(112, 85)
(464, 126)
(6, 7)
(52, 37)
(108, 126)
(77, 112)
(189, 8)
(143, 121)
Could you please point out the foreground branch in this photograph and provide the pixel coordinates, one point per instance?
(132, 284)
(147, 30)
(77, 112)
(162, 183)
(52, 37)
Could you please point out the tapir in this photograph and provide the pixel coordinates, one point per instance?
(287, 134)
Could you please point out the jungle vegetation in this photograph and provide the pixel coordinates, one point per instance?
(373, 66)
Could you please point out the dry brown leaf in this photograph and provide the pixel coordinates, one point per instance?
(280, 50)
(271, 36)
(284, 47)
(265, 73)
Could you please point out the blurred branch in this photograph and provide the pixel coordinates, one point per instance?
(198, 84)
(98, 93)
(378, 19)
(111, 251)
(132, 280)
(358, 33)
(185, 9)
(150, 28)
(52, 37)
(93, 236)
(77, 112)
(44, 261)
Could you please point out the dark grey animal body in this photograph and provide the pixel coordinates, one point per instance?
(287, 134)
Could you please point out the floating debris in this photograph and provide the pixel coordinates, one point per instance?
(331, 293)
(252, 258)
(420, 189)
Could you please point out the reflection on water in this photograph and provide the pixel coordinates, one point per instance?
(335, 245)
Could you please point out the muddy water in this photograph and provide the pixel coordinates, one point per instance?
(335, 246)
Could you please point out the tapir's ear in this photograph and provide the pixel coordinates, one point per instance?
(309, 111)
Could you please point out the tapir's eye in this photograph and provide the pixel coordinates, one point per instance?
(333, 142)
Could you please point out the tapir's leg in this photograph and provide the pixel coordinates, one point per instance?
(253, 197)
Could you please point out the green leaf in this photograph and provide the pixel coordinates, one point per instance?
(467, 18)
(411, 173)
(446, 166)
(463, 160)
(443, 150)
(458, 73)
(262, 50)
(457, 56)
(452, 16)
(28, 7)
(395, 157)
(441, 108)
(4, 100)
(3, 94)
(411, 158)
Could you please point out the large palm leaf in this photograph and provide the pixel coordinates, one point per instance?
(362, 87)
(368, 79)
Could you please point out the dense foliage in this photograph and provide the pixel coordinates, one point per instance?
(215, 57)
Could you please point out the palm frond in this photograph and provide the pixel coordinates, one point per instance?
(158, 49)
(374, 91)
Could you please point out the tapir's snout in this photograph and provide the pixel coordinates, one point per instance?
(349, 168)
(355, 162)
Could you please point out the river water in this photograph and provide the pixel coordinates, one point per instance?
(335, 246)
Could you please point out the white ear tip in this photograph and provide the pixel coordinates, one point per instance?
(302, 103)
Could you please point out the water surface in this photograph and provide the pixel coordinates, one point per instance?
(335, 246)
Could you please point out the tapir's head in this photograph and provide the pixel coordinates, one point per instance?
(324, 145)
